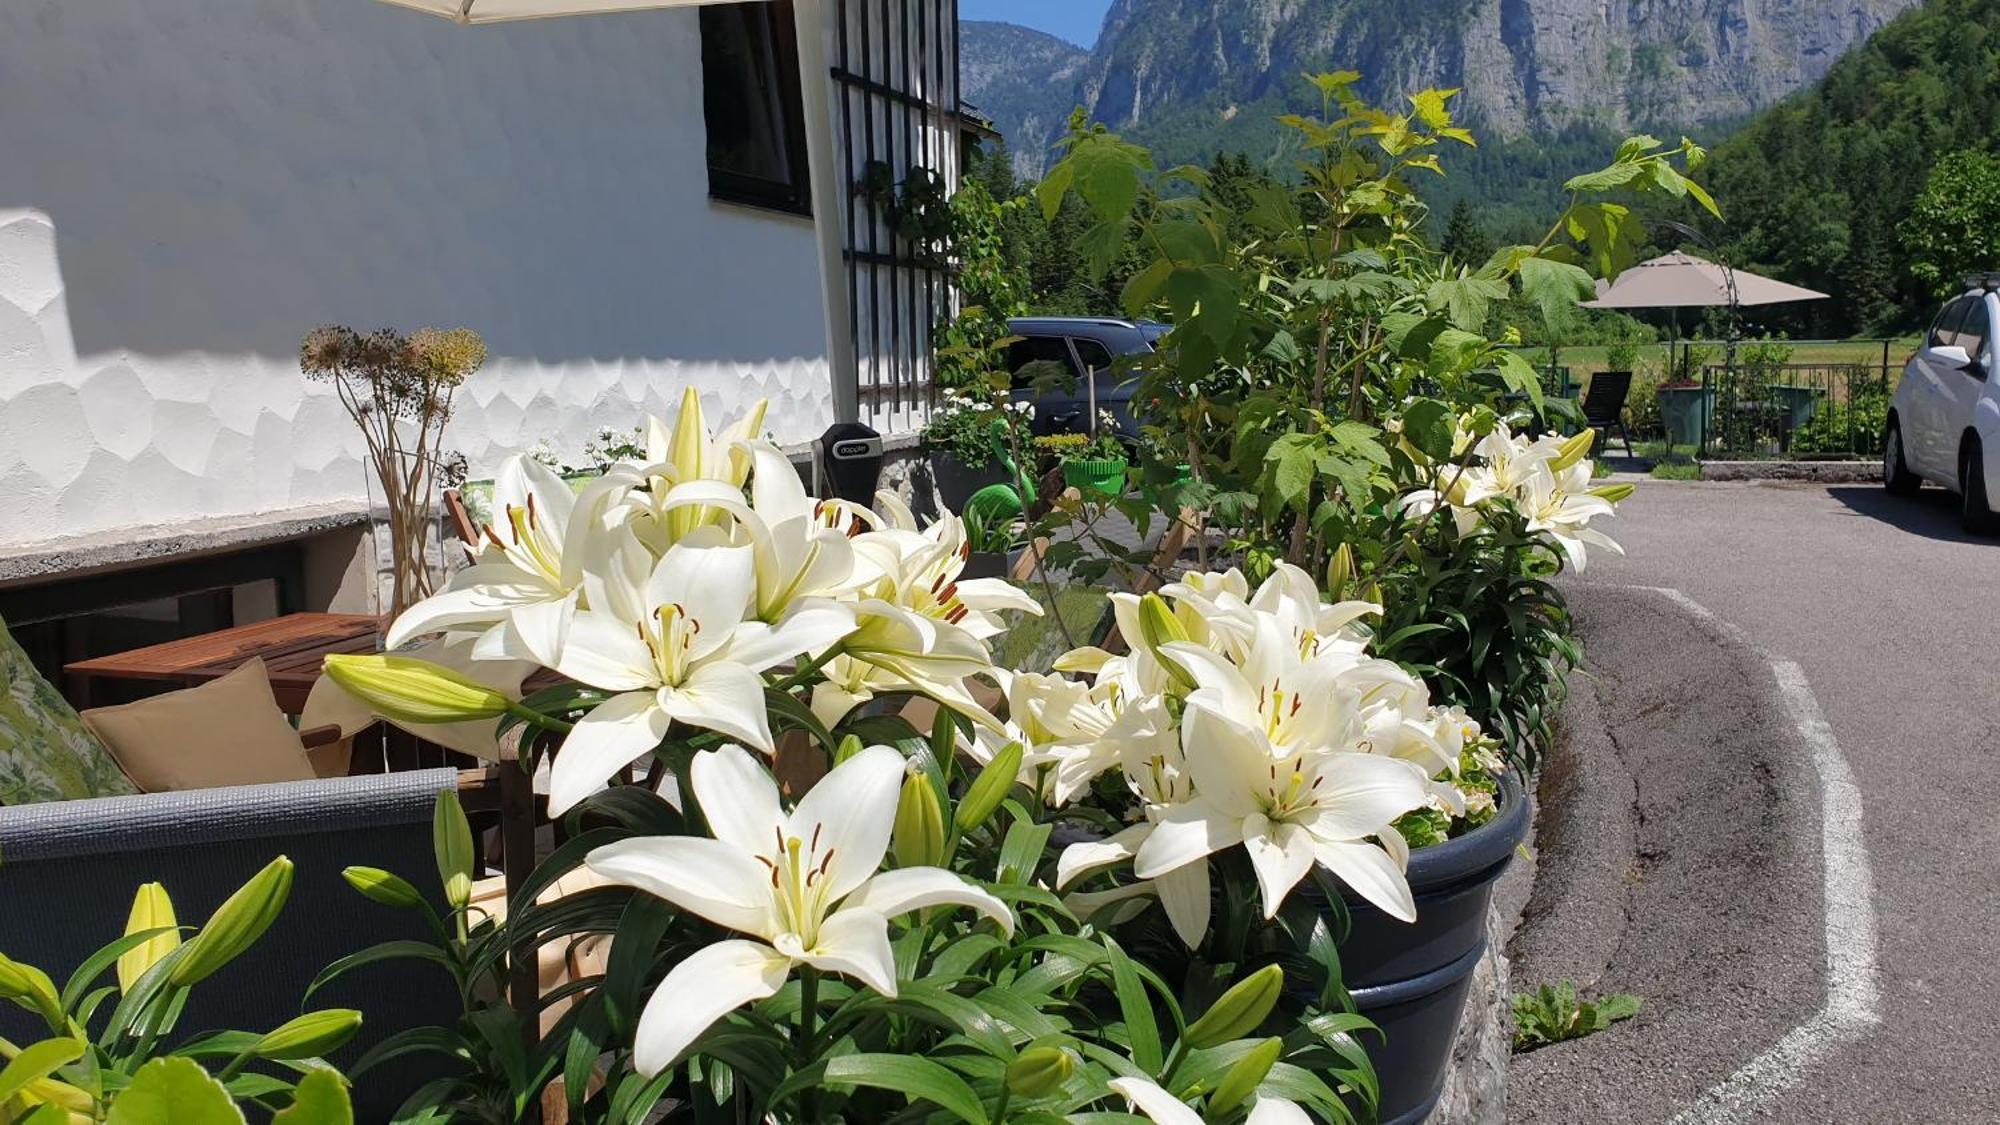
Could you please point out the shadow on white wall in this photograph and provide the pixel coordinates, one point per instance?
(224, 174)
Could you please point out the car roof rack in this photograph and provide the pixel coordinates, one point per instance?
(1988, 280)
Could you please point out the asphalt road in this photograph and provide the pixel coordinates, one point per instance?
(1692, 871)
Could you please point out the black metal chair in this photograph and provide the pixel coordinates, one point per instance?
(1604, 404)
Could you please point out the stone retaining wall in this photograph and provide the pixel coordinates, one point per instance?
(1825, 472)
(1475, 1088)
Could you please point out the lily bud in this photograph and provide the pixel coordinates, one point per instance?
(451, 842)
(1038, 1071)
(408, 690)
(56, 1092)
(236, 924)
(1456, 490)
(151, 910)
(990, 788)
(849, 747)
(1241, 1080)
(309, 1036)
(918, 836)
(1615, 493)
(380, 886)
(1159, 626)
(31, 988)
(1239, 1011)
(1574, 450)
(1339, 572)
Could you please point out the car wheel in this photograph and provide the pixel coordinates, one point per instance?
(1976, 512)
(1896, 474)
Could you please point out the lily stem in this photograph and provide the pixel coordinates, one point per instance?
(807, 1030)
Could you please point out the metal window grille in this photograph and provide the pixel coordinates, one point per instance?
(896, 113)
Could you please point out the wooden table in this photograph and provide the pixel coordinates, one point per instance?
(293, 648)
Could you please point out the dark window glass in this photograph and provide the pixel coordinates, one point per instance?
(1945, 332)
(1972, 331)
(1095, 356)
(1030, 359)
(750, 97)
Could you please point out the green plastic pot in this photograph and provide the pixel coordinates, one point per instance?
(1106, 477)
(1685, 413)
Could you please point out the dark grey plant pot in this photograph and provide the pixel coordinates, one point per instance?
(1411, 979)
(985, 564)
(957, 481)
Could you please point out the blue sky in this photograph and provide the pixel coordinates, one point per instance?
(1074, 20)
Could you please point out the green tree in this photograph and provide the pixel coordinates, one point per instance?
(1821, 185)
(1465, 240)
(1954, 227)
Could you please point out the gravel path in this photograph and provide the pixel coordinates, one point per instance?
(1685, 862)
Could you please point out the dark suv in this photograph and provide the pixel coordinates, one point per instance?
(1089, 348)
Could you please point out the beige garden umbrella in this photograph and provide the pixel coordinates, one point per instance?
(1682, 281)
(828, 194)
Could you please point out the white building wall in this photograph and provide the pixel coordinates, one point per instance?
(187, 186)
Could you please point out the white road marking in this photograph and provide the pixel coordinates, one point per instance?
(1850, 1010)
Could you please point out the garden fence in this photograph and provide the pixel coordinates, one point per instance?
(1794, 410)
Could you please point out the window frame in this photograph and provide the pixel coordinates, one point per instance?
(726, 185)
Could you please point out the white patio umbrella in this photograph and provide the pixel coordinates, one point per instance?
(822, 164)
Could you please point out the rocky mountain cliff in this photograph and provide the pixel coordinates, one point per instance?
(1178, 73)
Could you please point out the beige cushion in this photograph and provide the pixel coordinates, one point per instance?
(225, 732)
(560, 960)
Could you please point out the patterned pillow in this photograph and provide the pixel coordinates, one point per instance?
(46, 754)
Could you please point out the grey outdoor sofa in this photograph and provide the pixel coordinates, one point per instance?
(68, 871)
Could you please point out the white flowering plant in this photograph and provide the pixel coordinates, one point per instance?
(818, 911)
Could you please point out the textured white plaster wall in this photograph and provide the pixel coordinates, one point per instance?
(186, 187)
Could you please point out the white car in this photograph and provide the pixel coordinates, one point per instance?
(1944, 422)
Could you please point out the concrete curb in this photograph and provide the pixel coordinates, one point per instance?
(1824, 472)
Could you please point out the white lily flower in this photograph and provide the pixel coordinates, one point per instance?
(1054, 718)
(919, 570)
(1273, 748)
(1289, 812)
(523, 587)
(683, 647)
(1159, 1106)
(1162, 1108)
(803, 546)
(895, 649)
(803, 885)
(1157, 772)
(1564, 513)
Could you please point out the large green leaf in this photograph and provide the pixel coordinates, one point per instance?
(1142, 1031)
(1464, 300)
(1555, 287)
(38, 1061)
(1521, 377)
(1430, 425)
(174, 1091)
(320, 1100)
(918, 1079)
